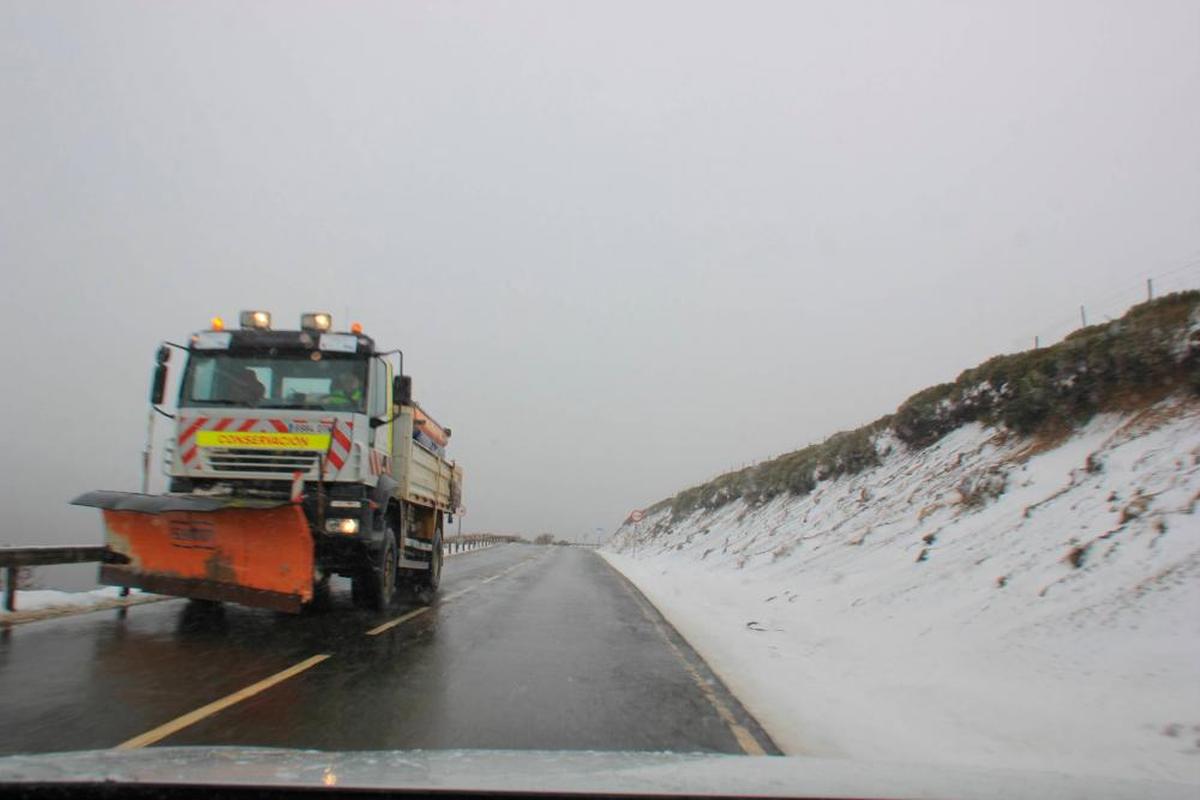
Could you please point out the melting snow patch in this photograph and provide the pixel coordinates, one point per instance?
(37, 599)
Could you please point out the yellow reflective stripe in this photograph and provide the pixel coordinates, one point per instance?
(263, 441)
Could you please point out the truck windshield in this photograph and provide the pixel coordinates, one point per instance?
(305, 380)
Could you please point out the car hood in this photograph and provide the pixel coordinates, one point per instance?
(569, 772)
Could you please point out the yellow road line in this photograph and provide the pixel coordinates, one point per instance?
(204, 712)
(191, 718)
(444, 599)
(745, 739)
(495, 577)
(405, 618)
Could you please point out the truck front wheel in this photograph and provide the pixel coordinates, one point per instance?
(375, 585)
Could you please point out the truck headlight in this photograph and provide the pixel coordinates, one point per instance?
(347, 526)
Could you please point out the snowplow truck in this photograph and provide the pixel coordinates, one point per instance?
(297, 455)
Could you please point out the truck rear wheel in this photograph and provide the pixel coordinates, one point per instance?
(435, 561)
(427, 581)
(374, 587)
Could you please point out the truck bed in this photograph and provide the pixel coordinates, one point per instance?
(425, 477)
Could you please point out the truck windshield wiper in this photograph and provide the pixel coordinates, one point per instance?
(284, 405)
(223, 401)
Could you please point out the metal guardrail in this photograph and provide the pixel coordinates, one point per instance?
(473, 541)
(13, 559)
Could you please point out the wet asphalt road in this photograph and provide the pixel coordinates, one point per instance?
(526, 647)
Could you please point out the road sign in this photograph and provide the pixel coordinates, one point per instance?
(636, 515)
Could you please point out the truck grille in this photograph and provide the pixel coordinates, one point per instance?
(235, 459)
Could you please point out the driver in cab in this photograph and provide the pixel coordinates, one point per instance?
(347, 391)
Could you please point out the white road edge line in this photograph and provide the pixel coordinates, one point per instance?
(745, 739)
(192, 717)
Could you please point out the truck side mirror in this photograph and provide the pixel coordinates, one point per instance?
(402, 390)
(160, 384)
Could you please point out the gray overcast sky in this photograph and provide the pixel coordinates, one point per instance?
(624, 245)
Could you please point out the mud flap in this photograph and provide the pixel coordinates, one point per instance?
(257, 555)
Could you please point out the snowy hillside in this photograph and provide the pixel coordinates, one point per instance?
(992, 598)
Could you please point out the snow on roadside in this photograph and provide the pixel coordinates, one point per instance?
(38, 599)
(42, 599)
(979, 602)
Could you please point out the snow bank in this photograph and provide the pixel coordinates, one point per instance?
(990, 600)
(38, 599)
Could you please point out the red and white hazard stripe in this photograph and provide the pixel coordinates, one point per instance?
(341, 433)
(340, 441)
(190, 427)
(187, 447)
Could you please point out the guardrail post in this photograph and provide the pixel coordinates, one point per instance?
(13, 559)
(10, 589)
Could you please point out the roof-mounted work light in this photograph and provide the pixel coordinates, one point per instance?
(320, 321)
(256, 319)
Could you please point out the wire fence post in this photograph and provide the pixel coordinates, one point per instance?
(10, 589)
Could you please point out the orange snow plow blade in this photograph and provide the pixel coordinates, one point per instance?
(255, 556)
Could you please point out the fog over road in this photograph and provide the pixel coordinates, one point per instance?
(526, 648)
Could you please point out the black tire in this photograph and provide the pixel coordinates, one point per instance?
(434, 574)
(427, 581)
(201, 615)
(375, 587)
(322, 597)
(358, 590)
